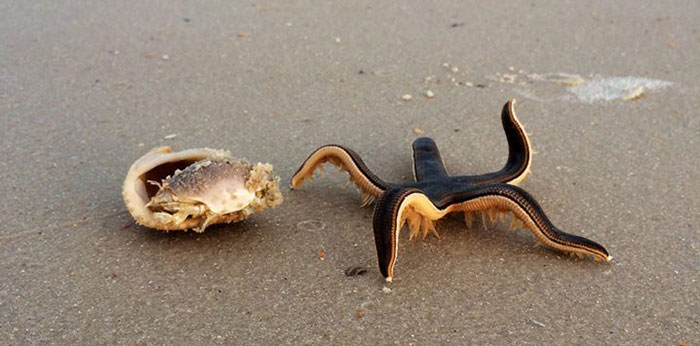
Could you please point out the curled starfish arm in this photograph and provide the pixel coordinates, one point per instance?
(517, 166)
(427, 162)
(345, 159)
(388, 220)
(399, 204)
(509, 198)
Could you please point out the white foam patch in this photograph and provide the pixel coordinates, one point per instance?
(615, 88)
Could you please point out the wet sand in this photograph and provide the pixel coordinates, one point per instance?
(85, 89)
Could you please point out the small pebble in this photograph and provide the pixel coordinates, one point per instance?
(406, 97)
(418, 130)
(165, 57)
(170, 136)
(386, 289)
(429, 94)
(511, 68)
(337, 40)
(508, 78)
(455, 69)
(445, 64)
(634, 94)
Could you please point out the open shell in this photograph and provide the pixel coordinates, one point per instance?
(194, 188)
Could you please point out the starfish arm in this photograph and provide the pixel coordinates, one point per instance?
(347, 160)
(399, 204)
(427, 162)
(388, 220)
(519, 161)
(504, 198)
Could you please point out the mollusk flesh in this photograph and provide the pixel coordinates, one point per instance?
(195, 188)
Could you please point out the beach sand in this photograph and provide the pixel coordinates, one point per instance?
(87, 88)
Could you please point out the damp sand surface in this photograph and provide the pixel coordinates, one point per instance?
(88, 87)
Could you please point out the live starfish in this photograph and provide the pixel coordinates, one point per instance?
(435, 194)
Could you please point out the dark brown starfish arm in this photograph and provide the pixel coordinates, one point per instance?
(427, 162)
(400, 204)
(347, 160)
(388, 220)
(519, 153)
(509, 198)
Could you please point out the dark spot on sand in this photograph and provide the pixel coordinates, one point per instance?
(355, 271)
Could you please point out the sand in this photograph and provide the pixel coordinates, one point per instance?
(86, 88)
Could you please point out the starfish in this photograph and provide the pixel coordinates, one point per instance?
(435, 193)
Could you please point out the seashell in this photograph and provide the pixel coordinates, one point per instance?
(195, 188)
